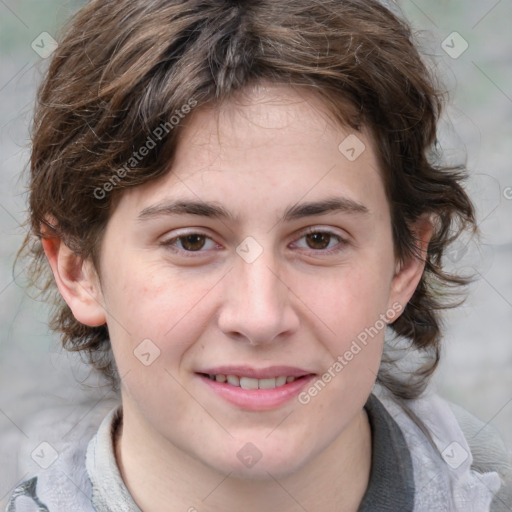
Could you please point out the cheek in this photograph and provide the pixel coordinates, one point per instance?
(354, 300)
(352, 309)
(151, 309)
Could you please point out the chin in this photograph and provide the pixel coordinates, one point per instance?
(250, 463)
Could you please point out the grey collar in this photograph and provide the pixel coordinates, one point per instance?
(109, 493)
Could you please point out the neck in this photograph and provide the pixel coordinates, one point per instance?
(162, 477)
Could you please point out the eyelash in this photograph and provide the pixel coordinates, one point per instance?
(342, 242)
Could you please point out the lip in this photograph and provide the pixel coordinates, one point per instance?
(257, 399)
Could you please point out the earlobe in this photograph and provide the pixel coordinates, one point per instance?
(76, 280)
(408, 272)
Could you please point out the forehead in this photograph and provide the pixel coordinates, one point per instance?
(270, 114)
(272, 141)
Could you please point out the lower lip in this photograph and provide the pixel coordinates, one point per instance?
(258, 399)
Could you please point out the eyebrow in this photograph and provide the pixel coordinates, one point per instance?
(216, 211)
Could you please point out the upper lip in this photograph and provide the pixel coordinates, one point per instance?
(257, 373)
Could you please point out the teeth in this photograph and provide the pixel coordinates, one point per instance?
(250, 383)
(267, 383)
(233, 380)
(280, 381)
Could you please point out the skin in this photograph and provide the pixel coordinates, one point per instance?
(296, 304)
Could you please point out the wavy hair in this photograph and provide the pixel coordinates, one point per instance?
(124, 68)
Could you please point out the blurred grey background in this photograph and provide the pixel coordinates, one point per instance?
(471, 44)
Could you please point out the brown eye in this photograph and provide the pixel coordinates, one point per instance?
(318, 240)
(321, 242)
(192, 242)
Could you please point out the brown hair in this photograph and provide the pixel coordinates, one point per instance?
(125, 71)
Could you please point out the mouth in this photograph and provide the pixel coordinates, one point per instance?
(256, 390)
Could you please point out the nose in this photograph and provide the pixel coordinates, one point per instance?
(258, 304)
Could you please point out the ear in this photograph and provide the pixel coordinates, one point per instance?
(77, 281)
(408, 272)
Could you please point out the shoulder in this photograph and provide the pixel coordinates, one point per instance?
(59, 480)
(457, 459)
(489, 454)
(63, 486)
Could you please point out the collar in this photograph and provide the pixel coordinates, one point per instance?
(391, 485)
(109, 493)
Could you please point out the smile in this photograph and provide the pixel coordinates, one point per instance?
(256, 390)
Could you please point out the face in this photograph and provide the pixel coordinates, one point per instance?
(265, 258)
